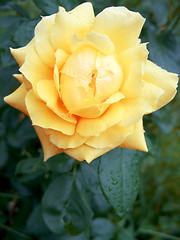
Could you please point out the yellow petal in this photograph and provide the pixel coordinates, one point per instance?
(61, 57)
(95, 126)
(109, 76)
(163, 79)
(133, 62)
(48, 148)
(79, 21)
(20, 53)
(64, 141)
(145, 103)
(17, 98)
(136, 140)
(48, 93)
(95, 40)
(121, 25)
(42, 116)
(42, 40)
(85, 152)
(112, 137)
(34, 69)
(22, 79)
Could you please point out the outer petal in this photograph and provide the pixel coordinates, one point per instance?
(79, 21)
(112, 137)
(48, 148)
(42, 40)
(85, 152)
(163, 79)
(34, 69)
(95, 126)
(64, 141)
(20, 53)
(136, 140)
(48, 93)
(17, 98)
(121, 25)
(95, 40)
(145, 103)
(22, 79)
(133, 62)
(42, 116)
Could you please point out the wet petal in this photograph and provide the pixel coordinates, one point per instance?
(42, 40)
(136, 140)
(121, 25)
(17, 98)
(48, 148)
(163, 79)
(42, 116)
(85, 152)
(79, 21)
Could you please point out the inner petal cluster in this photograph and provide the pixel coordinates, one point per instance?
(93, 78)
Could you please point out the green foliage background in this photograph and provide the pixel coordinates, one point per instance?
(62, 199)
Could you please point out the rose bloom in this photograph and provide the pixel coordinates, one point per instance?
(86, 82)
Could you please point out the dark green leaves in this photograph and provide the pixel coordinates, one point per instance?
(119, 177)
(50, 7)
(60, 163)
(53, 202)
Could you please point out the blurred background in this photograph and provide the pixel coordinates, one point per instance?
(23, 175)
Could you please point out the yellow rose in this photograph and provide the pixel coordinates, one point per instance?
(86, 82)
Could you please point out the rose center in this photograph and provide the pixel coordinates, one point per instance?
(88, 79)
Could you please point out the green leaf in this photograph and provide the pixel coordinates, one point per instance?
(4, 153)
(102, 227)
(25, 32)
(119, 178)
(90, 176)
(53, 202)
(164, 49)
(29, 165)
(78, 209)
(60, 163)
(35, 224)
(50, 7)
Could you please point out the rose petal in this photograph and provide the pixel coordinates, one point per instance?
(20, 53)
(136, 140)
(133, 62)
(64, 141)
(42, 40)
(49, 149)
(121, 25)
(112, 137)
(79, 21)
(95, 126)
(145, 103)
(48, 93)
(42, 116)
(163, 79)
(85, 152)
(95, 40)
(17, 98)
(34, 69)
(22, 79)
